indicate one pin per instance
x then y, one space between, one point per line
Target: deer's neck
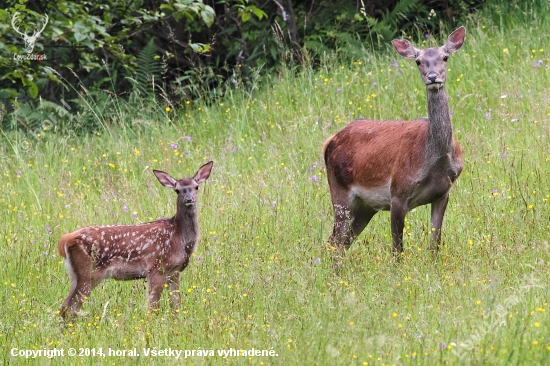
440 135
187 224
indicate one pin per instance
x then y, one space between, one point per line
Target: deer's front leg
438 211
174 288
398 211
156 283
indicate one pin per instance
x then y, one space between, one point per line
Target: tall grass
262 276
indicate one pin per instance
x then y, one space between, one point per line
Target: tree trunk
292 28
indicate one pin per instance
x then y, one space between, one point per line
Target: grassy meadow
263 276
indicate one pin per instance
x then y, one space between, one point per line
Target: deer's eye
197 188
445 58
177 191
417 62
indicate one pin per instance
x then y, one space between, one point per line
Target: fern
32 117
27 117
396 19
148 71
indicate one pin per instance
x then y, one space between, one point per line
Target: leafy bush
90 44
187 49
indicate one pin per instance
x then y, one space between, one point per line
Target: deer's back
126 243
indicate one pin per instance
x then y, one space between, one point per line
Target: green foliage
356 29
96 44
86 42
148 69
245 11
401 19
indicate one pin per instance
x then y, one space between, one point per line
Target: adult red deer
397 165
157 250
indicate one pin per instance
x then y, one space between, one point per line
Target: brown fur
368 152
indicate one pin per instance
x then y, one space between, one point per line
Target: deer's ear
204 172
165 179
455 40
405 48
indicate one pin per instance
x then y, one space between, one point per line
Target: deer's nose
432 77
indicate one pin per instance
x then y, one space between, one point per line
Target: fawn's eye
445 58
417 62
197 188
177 191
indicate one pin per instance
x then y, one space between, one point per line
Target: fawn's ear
455 40
165 179
405 48
204 172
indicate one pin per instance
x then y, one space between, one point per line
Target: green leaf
273 52
89 44
245 17
79 36
258 12
33 89
207 15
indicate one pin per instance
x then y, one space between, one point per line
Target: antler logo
29 40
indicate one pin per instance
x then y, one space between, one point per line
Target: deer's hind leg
351 216
79 267
156 281
361 214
